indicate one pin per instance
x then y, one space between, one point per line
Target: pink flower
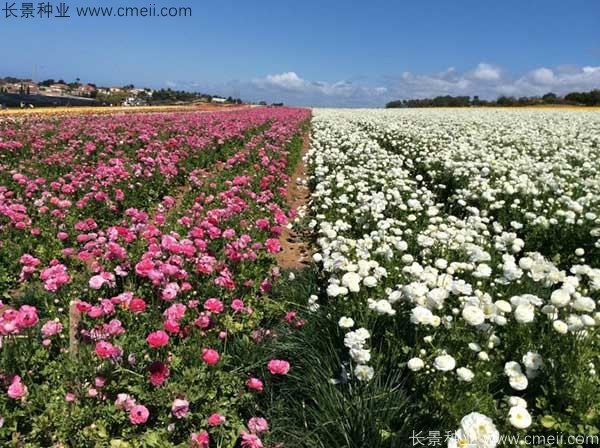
200 440
180 407
250 440
17 389
139 414
137 305
157 339
96 282
125 402
175 312
105 349
257 425
272 245
278 367
70 397
237 305
255 384
213 305
27 317
210 356
216 419
172 326
51 328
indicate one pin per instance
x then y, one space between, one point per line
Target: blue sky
342 53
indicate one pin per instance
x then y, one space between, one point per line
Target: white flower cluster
473 227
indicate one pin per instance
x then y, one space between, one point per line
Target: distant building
85 90
216 99
57 89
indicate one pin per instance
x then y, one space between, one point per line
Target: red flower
210 356
159 372
157 339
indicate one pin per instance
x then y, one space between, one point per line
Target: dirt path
295 252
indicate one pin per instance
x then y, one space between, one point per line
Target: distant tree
47 82
549 98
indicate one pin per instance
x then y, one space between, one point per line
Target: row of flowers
136 263
465 247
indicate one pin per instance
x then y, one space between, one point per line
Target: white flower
381 306
525 313
444 363
473 315
346 322
560 327
465 374
477 431
421 315
519 417
503 306
533 361
518 382
364 373
370 281
415 364
512 368
560 297
351 280
360 356
517 401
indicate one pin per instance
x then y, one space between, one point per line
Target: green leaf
548 421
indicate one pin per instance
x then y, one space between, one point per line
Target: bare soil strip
295 252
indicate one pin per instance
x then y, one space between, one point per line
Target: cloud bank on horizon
486 80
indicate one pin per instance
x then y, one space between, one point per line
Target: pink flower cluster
156 281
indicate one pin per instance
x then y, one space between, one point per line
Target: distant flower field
452 298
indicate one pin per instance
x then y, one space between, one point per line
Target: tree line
591 98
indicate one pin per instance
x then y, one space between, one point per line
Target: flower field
464 248
452 298
136 257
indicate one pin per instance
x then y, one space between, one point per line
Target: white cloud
485 80
543 76
486 72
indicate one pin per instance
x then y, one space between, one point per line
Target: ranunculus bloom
27 316
105 349
278 367
137 305
159 372
250 440
157 339
210 356
257 425
96 282
200 440
255 384
16 389
51 328
216 419
172 326
213 305
139 414
180 407
125 402
237 305
272 245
